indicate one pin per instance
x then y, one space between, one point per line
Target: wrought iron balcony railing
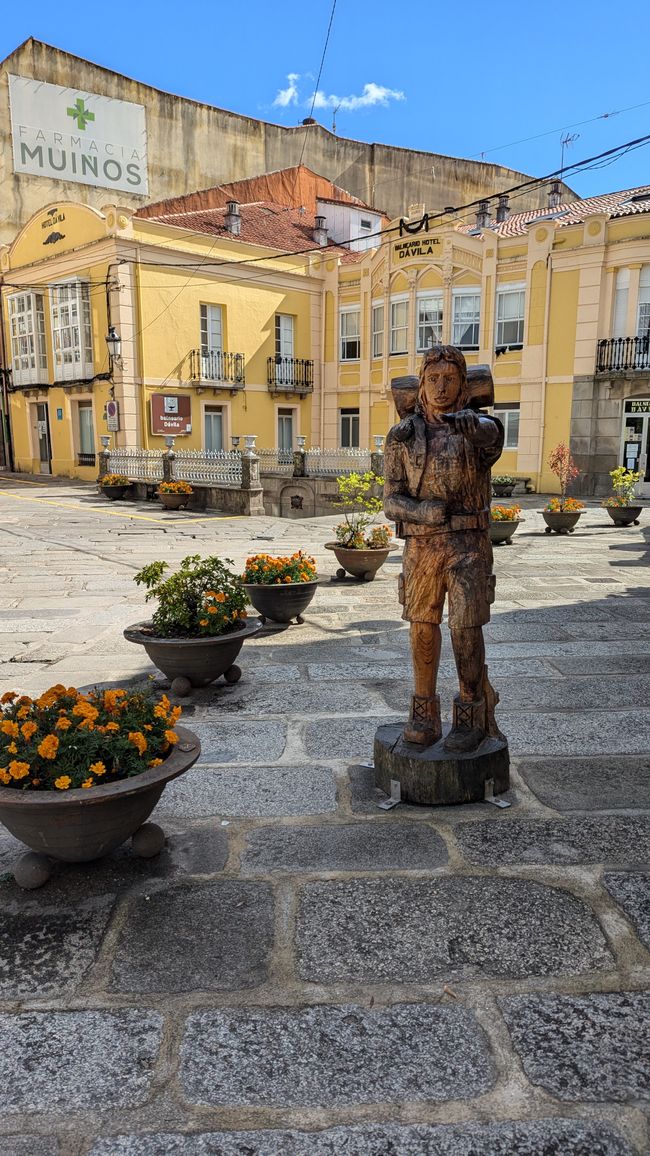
619 354
218 368
294 374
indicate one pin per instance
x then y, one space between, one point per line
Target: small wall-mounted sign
170 414
112 416
59 414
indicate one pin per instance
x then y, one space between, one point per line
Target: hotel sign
69 135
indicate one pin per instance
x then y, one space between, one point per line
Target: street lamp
114 344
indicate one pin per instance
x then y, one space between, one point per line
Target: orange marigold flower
160 711
12 749
63 782
203 622
97 769
87 783
220 597
48 747
86 711
24 700
155 762
175 714
18 770
62 724
4 776
28 729
138 740
86 724
23 712
112 726
212 610
171 737
9 696
9 728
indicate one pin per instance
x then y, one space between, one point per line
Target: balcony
218 368
623 354
290 374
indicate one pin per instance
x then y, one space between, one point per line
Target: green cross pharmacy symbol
80 113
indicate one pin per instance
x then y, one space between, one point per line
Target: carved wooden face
441 387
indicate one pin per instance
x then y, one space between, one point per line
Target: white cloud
288 95
372 94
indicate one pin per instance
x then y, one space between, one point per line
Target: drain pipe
547 313
7 439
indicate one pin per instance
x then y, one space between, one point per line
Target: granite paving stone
65 1061
308 698
584 1047
342 738
229 741
333 1056
254 792
46 947
371 846
577 733
549 1137
615 839
609 782
371 930
208 937
29 1146
631 890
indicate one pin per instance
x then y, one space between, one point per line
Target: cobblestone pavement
300 972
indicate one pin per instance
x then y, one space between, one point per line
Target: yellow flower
48 747
4 777
9 728
87 783
171 737
138 740
63 782
97 769
62 724
155 762
18 770
28 729
12 749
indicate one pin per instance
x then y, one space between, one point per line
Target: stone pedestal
434 777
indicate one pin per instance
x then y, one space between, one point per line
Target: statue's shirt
455 471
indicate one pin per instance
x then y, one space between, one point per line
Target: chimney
554 196
483 214
320 231
233 218
503 208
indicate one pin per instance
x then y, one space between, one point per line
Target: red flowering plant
65 739
203 597
561 463
265 570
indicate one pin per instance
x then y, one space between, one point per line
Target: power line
562 128
320 71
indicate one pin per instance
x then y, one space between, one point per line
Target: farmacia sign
70 135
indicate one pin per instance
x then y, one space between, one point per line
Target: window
365 223
283 335
377 330
643 314
213 427
621 291
350 335
399 326
508 414
71 331
510 316
86 433
285 430
466 318
349 428
211 343
27 333
429 321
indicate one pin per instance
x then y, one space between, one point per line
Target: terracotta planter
189 662
624 515
173 501
281 602
79 825
501 532
561 523
359 563
115 493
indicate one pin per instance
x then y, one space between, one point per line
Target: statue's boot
468 727
424 726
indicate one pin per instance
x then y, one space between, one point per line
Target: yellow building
218 310
556 301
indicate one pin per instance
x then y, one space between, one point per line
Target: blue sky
468 82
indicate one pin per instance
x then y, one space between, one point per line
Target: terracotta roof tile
620 204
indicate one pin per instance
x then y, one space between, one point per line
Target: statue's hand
477 428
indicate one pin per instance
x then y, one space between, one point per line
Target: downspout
6 413
547 312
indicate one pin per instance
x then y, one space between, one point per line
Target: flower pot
79 825
560 522
280 602
624 515
115 493
504 491
359 563
501 532
189 662
173 501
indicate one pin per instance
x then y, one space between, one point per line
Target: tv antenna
565 141
334 116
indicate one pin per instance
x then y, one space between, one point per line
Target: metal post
168 459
